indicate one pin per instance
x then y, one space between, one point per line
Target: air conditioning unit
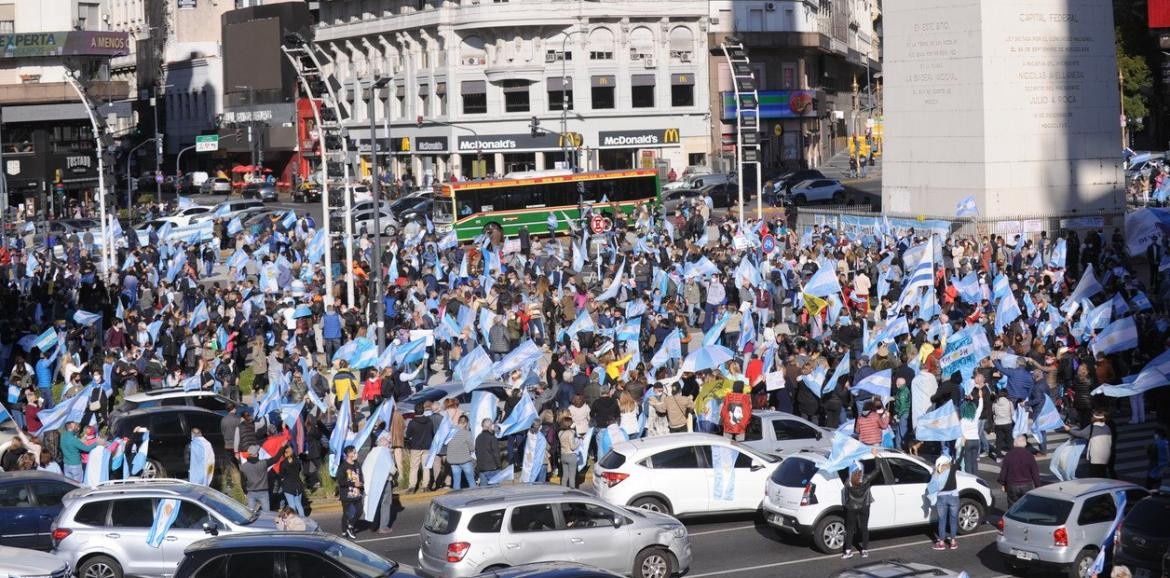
550 56
770 6
472 61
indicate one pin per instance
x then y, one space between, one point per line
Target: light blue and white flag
140 455
86 318
711 337
671 348
583 449
614 286
199 315
1048 419
1059 254
164 517
235 227
1006 312
608 436
844 452
483 406
1086 288
840 371
46 341
877 383
1121 335
534 459
67 410
823 283
815 381
1065 459
474 369
442 437
338 438
202 464
520 419
1098 566
966 207
939 425
523 357
723 466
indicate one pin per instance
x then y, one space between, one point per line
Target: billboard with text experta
70 43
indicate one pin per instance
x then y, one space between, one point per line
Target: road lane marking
825 557
387 538
722 530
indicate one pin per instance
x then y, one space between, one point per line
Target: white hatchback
801 500
683 474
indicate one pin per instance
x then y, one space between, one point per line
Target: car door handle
171 538
512 546
113 536
576 540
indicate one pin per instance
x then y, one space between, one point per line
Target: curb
334 505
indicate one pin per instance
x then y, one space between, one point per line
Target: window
133 513
191 516
92 514
754 431
682 44
210 402
474 95
250 564
682 90
1098 510
743 460
214 569
583 515
7 26
792 430
516 96
560 93
15 496
486 522
794 473
642 91
1041 511
641 43
50 493
601 44
557 55
536 518
906 472
441 520
166 424
602 92
676 458
302 565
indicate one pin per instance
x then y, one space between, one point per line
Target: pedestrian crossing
1131 462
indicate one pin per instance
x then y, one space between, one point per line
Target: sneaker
865 553
847 555
939 545
349 534
954 544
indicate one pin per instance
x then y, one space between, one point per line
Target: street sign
750 155
599 224
206 143
768 244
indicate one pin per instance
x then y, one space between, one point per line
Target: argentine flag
966 207
939 425
1121 335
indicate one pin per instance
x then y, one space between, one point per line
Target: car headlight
673 532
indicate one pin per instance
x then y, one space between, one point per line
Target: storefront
788 125
643 149
422 158
500 154
49 165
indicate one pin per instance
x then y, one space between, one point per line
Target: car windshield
361 561
228 508
1150 515
754 454
1040 510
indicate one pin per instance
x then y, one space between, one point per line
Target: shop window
560 93
642 91
682 95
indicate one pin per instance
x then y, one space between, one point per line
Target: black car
29 502
263 191
722 195
287 554
170 434
1144 535
307 193
549 570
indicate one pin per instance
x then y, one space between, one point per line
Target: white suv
677 475
801 500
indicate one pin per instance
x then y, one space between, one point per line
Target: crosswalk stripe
1130 450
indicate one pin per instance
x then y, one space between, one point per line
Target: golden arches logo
670 135
405 143
573 139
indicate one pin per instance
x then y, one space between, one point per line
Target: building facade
808 56
629 76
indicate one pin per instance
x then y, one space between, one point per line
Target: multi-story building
624 82
193 74
811 59
47 141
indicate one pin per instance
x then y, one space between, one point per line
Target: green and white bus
507 205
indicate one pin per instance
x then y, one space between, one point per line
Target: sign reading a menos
71 43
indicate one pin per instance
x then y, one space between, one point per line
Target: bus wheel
494 232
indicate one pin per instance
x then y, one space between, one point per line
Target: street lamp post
566 146
97 133
179 157
376 189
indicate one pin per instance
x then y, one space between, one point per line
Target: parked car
102 531
234 207
264 191
676 474
358 193
722 194
307 193
363 222
677 198
773 432
175 396
471 531
170 433
1060 527
897 568
187 216
288 554
784 183
549 570
406 204
29 502
801 500
1144 537
418 212
438 393
18 562
817 190
216 186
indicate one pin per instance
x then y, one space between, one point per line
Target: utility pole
567 148
158 144
379 293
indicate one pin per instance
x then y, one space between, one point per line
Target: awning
558 83
400 91
516 86
642 80
602 80
474 87
424 89
684 79
441 88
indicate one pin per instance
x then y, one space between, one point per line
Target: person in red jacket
736 412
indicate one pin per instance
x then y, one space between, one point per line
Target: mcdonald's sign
405 144
640 138
670 136
575 139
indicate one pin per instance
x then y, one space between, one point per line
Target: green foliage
246 378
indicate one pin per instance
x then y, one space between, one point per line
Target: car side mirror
820 435
757 467
618 521
211 528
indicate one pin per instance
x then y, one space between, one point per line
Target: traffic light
535 127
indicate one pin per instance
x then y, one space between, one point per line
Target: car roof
500 495
819 455
653 443
167 393
140 488
895 568
145 411
28 475
314 541
1077 488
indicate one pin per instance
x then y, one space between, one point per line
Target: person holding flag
857 498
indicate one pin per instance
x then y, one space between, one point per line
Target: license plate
1023 555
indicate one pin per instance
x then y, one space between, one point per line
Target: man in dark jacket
605 410
419 434
949 390
228 426
351 488
487 452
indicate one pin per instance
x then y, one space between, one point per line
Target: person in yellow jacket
614 368
344 382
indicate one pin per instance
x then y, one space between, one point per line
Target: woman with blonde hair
628 420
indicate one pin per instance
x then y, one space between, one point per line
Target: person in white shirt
969 411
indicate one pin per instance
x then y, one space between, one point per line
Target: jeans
47 395
984 446
857 522
569 470
459 472
350 510
74 473
971 457
258 497
900 430
294 502
484 476
331 347
948 516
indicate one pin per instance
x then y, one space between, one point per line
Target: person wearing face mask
870 425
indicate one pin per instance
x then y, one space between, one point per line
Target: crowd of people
565 345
